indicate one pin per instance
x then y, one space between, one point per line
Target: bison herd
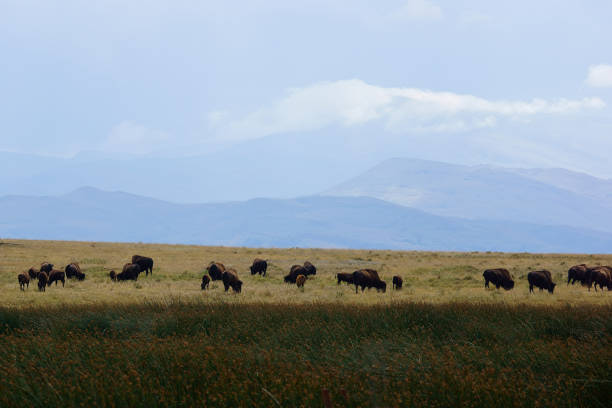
542 279
46 275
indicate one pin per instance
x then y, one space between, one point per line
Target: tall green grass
404 354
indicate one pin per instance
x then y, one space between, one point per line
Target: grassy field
442 341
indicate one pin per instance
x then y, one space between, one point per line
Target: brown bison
215 270
577 273
300 280
230 280
56 276
24 280
33 272
73 270
295 271
541 279
599 275
129 272
145 263
46 267
397 282
259 267
498 277
310 268
42 281
345 277
368 278
205 282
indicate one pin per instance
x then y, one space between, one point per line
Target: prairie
442 341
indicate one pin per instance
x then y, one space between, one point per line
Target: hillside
317 221
539 196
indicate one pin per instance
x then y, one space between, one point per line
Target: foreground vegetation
188 354
441 341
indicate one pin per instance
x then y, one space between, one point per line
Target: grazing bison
56 276
295 271
310 268
397 282
368 278
541 279
498 277
24 280
46 267
74 271
145 263
259 267
230 280
42 281
129 272
205 282
599 275
577 273
33 272
215 270
345 277
300 280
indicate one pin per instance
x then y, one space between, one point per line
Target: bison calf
24 280
299 281
542 280
397 282
205 282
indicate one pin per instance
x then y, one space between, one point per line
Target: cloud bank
355 102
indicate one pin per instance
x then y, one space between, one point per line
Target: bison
300 280
56 276
215 270
46 267
397 282
205 282
33 272
310 268
42 281
145 263
541 279
259 267
73 270
368 278
345 277
599 275
295 271
230 280
577 273
24 280
129 272
499 277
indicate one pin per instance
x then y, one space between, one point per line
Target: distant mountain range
539 196
315 221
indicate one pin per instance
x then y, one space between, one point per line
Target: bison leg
530 288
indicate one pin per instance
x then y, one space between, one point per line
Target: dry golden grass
432 277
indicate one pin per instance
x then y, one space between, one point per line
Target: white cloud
134 138
600 75
418 10
354 102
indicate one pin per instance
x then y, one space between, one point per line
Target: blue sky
518 83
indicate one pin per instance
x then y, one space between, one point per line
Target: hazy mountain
540 196
343 222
